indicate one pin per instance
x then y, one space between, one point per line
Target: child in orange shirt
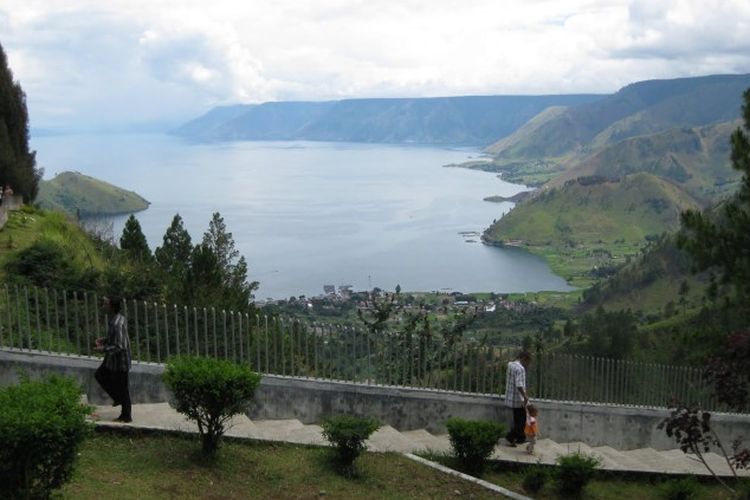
531 430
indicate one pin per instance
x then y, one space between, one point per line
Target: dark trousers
116 385
516 434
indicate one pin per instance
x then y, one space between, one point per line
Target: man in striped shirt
112 375
516 397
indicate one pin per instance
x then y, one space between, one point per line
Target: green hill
640 108
696 158
591 224
73 192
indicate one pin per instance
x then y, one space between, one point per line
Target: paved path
162 416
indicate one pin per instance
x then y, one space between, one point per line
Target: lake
307 214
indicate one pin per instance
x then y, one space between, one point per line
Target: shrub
743 489
348 434
210 392
42 425
680 489
534 479
574 472
473 441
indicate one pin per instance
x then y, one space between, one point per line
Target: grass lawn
606 486
144 466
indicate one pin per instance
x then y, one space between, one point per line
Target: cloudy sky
115 63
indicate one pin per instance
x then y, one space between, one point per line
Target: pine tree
133 242
203 284
237 291
17 164
174 255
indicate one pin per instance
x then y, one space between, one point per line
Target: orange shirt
531 426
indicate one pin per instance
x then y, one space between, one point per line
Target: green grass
29 225
605 486
159 466
71 192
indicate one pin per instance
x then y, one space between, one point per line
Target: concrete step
650 459
275 430
308 434
162 416
428 442
623 461
389 439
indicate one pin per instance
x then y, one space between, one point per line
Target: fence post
38 323
224 327
186 322
195 331
176 329
46 319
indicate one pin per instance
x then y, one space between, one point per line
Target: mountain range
617 171
467 120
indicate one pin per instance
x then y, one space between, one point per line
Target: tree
237 291
203 279
174 256
17 164
133 242
722 240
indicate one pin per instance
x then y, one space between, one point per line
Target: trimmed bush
534 479
680 489
210 392
574 471
348 435
473 441
42 426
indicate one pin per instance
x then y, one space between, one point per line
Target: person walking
516 397
113 373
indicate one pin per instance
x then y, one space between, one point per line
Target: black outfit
517 435
113 373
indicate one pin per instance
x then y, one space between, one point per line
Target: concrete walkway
162 416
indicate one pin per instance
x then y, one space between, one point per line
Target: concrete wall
312 400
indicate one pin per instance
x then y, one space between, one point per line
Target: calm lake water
305 214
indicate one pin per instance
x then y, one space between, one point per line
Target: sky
119 64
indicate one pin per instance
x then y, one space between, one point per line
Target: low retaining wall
310 401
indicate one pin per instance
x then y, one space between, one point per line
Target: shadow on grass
331 460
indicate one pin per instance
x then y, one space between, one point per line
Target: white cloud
104 63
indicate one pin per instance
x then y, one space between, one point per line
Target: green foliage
680 489
574 471
48 265
473 441
17 164
42 426
133 242
174 258
235 291
609 334
534 479
348 434
210 391
723 240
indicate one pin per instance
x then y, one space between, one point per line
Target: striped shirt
117 345
515 377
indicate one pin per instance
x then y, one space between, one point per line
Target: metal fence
60 321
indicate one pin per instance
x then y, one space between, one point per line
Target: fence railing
69 322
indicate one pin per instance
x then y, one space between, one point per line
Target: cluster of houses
343 298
